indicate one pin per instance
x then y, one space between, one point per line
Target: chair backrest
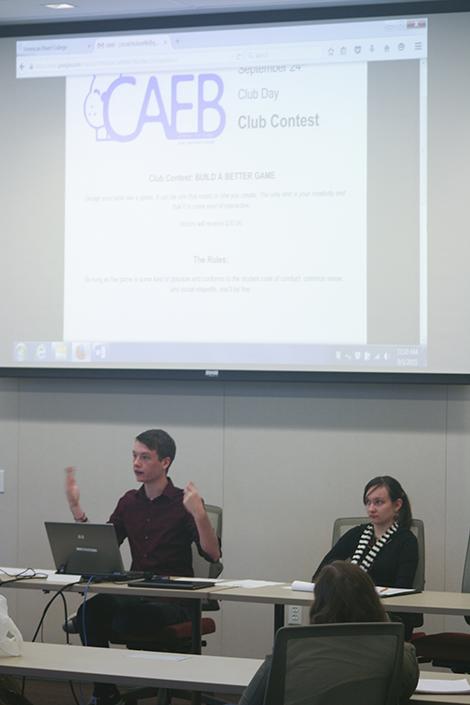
466 570
202 567
343 524
335 664
466 575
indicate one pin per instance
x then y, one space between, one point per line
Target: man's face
147 465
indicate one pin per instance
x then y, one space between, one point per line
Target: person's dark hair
345 593
158 440
395 491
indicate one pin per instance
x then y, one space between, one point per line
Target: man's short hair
160 441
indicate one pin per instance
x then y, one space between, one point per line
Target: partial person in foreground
161 522
385 548
343 593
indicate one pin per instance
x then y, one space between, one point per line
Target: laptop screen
84 549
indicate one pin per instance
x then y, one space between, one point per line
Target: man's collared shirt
160 531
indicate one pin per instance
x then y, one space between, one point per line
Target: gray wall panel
283 459
9 463
298 456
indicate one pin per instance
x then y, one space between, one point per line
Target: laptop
161 581
84 549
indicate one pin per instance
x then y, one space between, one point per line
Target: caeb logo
184 106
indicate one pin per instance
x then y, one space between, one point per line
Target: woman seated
342 593
385 548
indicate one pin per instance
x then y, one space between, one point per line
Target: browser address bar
86 64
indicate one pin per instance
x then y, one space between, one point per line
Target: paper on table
158 656
435 685
63 578
247 583
390 592
302 585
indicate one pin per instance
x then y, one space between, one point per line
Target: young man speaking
160 522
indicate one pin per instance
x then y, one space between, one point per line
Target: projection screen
276 197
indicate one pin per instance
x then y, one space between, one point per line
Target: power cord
25 574
60 594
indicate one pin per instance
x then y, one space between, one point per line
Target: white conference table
221 674
218 674
427 602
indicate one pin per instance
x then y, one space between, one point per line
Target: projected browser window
227 197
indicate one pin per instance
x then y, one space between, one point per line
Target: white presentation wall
255 198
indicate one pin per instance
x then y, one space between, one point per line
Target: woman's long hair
345 593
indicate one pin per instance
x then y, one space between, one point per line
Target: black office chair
410 619
447 649
178 637
334 664
343 524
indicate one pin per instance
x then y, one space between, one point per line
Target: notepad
438 685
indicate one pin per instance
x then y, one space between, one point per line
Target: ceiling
33 11
27 12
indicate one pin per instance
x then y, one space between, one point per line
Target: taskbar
218 355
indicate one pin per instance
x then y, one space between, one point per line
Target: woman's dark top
395 564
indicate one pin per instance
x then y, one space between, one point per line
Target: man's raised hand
192 500
72 493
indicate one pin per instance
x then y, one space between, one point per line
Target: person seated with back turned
385 548
342 593
160 521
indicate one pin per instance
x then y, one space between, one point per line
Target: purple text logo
184 106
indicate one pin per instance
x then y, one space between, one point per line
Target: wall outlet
2 481
294 614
